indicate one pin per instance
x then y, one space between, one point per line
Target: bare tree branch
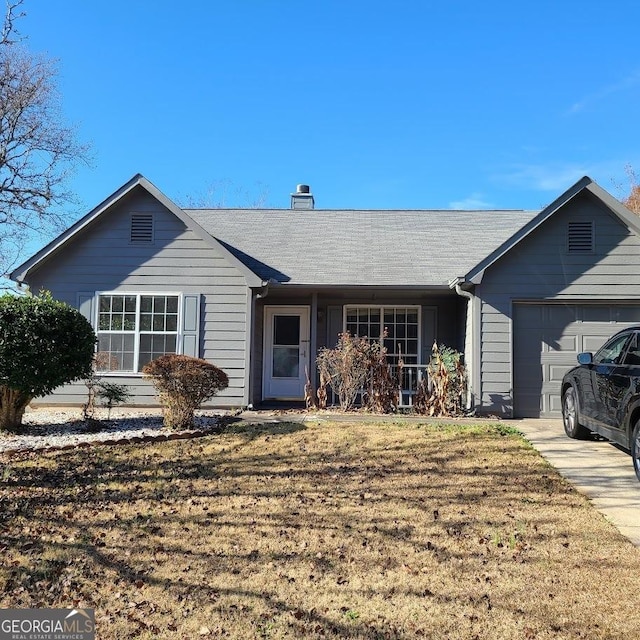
8 29
632 199
38 151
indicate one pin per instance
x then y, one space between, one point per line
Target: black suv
602 394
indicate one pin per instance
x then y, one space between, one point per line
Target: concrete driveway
597 468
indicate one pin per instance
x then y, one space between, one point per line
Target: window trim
136 348
382 307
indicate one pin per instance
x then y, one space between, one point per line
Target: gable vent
580 237
141 228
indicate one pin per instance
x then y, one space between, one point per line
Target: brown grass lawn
327 530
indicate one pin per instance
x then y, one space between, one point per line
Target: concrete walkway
596 468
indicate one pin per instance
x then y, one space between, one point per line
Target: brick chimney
302 198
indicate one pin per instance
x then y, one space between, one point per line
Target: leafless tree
38 151
224 194
632 199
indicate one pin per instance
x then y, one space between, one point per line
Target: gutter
263 292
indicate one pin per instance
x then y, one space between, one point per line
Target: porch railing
412 375
410 378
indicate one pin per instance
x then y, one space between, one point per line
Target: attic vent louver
580 237
141 228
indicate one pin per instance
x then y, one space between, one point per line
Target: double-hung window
134 329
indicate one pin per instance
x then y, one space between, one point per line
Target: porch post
313 340
249 359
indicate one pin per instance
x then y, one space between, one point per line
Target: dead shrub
383 388
443 392
345 368
183 383
355 367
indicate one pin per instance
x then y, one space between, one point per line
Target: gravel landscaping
47 428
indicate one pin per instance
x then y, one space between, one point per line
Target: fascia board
626 216
476 274
20 273
253 280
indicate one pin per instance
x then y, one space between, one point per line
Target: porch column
313 340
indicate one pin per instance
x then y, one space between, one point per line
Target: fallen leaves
380 531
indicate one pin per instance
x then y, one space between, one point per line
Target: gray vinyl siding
178 261
539 268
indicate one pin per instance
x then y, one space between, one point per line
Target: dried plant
443 391
383 388
359 367
346 368
321 393
309 398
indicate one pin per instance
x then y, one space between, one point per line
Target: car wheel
635 449
570 416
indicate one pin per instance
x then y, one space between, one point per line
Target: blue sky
404 104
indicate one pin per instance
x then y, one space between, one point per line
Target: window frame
381 308
137 332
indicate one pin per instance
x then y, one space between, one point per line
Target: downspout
470 344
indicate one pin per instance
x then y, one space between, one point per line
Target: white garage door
546 341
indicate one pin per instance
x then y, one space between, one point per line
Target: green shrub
183 383
44 344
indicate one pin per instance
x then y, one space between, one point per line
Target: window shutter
191 325
84 304
141 228
580 237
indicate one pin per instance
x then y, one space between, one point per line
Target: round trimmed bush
183 383
44 343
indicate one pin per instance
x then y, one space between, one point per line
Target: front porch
291 327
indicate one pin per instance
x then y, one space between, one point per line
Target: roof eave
476 274
20 273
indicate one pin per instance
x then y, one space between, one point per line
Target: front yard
317 530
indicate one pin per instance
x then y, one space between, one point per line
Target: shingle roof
348 247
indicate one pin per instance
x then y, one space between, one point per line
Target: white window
397 328
133 329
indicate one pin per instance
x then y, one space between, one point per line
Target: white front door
286 352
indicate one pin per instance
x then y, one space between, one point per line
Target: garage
546 340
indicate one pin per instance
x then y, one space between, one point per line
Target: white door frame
275 388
